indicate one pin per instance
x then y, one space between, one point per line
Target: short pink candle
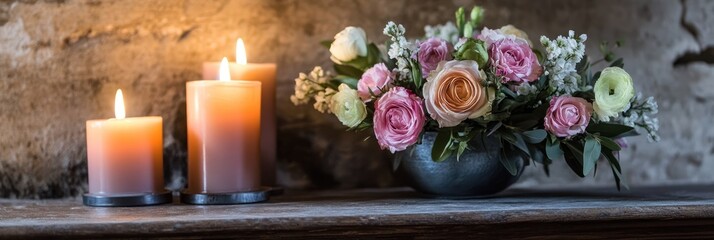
125 155
223 135
264 73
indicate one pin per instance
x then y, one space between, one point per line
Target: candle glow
224 73
119 112
241 57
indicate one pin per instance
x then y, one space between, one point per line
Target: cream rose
455 92
348 107
613 92
511 30
349 44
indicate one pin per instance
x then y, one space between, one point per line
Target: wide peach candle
264 73
125 155
223 134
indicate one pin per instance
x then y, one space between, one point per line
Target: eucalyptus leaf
591 152
535 136
508 162
546 169
516 140
552 149
537 154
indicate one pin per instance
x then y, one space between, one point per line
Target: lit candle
125 155
264 73
223 134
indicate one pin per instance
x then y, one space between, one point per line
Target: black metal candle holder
129 200
260 195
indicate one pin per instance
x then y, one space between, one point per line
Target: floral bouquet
544 103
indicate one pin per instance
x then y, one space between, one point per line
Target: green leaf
611 130
552 149
591 152
609 143
508 92
348 71
416 73
350 81
616 169
373 55
462 147
494 128
574 158
618 63
508 161
596 76
583 65
539 55
534 136
327 43
442 145
364 62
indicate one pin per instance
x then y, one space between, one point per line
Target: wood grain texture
647 212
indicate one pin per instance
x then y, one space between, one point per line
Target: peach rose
455 92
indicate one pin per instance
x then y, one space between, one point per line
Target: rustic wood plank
646 212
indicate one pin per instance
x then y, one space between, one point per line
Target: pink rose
514 60
398 119
431 53
567 116
376 79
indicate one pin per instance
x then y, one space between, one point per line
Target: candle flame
241 57
119 105
224 73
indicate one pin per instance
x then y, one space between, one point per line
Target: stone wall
62 60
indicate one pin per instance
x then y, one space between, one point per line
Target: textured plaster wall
62 60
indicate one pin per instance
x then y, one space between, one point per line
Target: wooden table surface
643 212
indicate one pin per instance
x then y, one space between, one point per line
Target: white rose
349 44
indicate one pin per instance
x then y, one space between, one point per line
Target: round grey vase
478 172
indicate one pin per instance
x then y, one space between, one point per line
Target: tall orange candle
264 73
223 134
125 155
